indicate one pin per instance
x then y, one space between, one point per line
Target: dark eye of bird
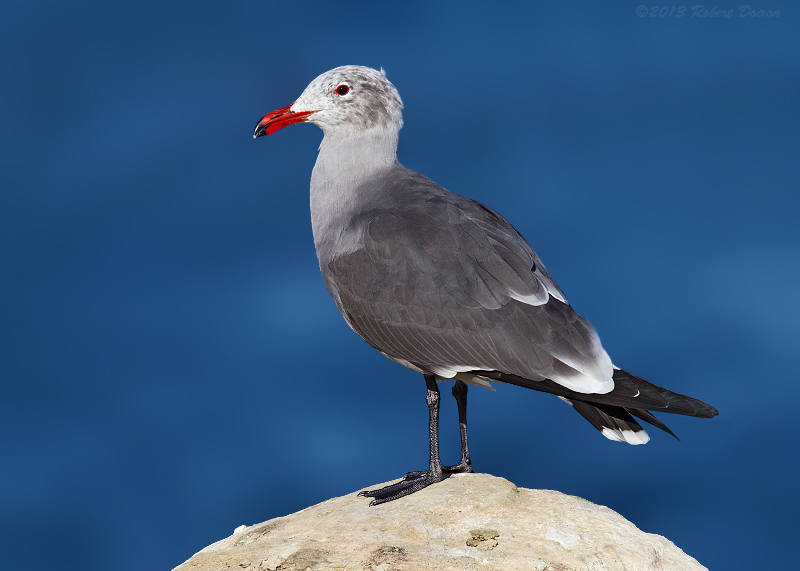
343 90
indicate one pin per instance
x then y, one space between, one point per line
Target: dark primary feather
632 395
647 417
630 392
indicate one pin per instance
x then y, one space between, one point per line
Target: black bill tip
260 130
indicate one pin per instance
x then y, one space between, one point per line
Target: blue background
173 367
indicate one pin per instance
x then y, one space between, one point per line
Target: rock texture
467 522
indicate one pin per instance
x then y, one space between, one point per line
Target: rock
467 522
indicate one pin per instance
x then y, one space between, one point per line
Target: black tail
613 422
611 413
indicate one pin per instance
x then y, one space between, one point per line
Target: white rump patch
628 436
568 373
581 383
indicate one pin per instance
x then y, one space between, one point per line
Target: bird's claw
412 482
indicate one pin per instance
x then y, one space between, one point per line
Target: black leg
417 481
465 465
460 392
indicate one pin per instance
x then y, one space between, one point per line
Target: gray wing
445 285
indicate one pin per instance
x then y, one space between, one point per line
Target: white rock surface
468 522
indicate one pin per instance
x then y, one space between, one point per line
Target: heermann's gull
444 285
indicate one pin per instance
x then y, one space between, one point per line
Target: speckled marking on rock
484 538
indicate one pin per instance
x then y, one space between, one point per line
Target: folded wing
446 285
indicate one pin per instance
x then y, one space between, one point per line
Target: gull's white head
344 101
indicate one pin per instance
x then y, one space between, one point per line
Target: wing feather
447 285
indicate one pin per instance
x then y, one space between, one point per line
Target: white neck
343 164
